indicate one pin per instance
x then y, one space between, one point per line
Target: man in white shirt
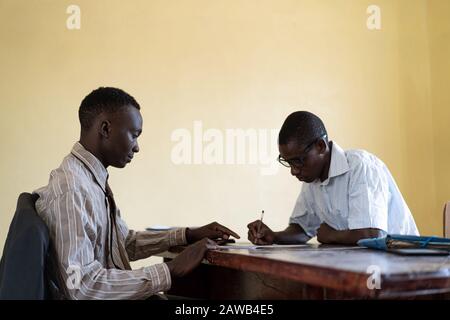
346 195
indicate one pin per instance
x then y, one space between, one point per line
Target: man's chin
119 165
305 179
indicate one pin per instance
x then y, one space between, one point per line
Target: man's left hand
213 231
326 234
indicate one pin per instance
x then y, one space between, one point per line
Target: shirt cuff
160 277
310 232
177 237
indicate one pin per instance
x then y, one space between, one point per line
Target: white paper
258 247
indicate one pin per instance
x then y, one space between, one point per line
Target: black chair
26 260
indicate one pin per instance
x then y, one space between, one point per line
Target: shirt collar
92 163
338 164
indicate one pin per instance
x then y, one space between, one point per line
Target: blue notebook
408 245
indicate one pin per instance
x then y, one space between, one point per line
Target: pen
262 217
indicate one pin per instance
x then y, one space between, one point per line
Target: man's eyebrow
295 158
136 132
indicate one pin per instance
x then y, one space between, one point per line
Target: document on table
257 247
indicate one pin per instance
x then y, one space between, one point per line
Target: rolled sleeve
160 277
303 214
368 198
81 274
143 244
177 237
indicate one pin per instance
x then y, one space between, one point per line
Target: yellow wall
230 64
439 35
419 181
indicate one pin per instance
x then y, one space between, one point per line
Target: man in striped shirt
93 245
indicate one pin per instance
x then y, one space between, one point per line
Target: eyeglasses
299 162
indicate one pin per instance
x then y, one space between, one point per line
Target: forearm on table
143 244
293 234
351 237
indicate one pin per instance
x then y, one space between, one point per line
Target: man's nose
136 148
295 171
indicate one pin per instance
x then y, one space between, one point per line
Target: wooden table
314 272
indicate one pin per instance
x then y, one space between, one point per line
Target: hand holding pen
259 233
261 222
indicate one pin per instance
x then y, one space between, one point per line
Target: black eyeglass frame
299 162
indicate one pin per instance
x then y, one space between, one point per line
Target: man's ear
105 129
322 144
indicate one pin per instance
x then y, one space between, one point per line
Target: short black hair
103 99
303 126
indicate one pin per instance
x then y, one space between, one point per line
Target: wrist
170 267
276 237
173 269
188 235
338 236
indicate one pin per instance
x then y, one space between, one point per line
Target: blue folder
408 244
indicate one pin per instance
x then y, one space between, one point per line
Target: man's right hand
190 258
260 234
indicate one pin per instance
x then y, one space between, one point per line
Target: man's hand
190 258
326 234
213 231
259 233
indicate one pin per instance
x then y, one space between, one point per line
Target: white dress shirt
359 193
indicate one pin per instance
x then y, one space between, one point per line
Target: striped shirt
76 210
